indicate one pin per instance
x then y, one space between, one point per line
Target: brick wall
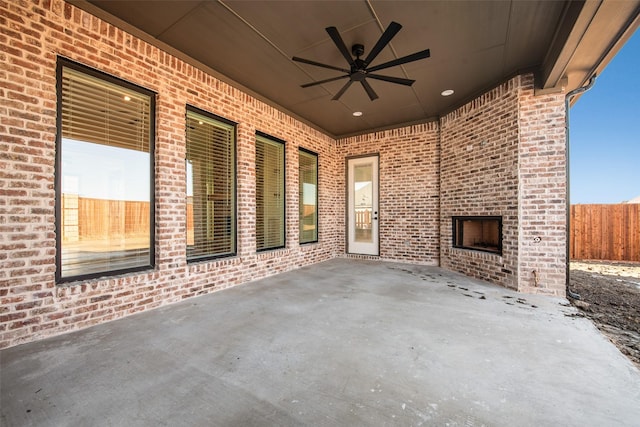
479 177
33 306
542 174
501 154
408 189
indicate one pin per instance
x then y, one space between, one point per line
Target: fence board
605 232
98 219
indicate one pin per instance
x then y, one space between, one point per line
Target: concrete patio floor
341 343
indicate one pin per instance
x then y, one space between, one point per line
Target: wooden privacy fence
605 232
99 219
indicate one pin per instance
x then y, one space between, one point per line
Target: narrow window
104 178
211 188
308 195
270 210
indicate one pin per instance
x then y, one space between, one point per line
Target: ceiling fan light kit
359 69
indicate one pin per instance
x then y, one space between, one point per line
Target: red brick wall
33 306
408 190
542 174
479 178
501 154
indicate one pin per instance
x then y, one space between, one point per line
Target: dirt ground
610 296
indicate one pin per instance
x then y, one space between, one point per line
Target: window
211 187
269 193
104 164
308 195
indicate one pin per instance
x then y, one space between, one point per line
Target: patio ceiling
474 46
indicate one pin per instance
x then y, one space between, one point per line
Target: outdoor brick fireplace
480 233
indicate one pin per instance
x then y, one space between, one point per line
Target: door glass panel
363 202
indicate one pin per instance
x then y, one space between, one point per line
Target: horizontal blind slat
97 111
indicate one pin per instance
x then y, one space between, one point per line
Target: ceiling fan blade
384 40
324 81
409 58
367 87
337 39
397 80
342 91
318 64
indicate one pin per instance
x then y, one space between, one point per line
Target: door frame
376 196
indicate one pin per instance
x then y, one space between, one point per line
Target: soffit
474 46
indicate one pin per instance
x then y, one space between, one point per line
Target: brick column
246 182
542 177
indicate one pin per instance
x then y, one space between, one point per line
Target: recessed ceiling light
200 122
127 98
357 113
447 92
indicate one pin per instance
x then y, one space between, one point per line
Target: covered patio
342 342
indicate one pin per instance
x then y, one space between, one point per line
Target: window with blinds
211 192
104 203
270 211
308 195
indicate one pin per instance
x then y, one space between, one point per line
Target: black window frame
61 64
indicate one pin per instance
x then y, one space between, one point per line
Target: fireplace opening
480 233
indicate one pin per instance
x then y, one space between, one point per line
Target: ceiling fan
360 69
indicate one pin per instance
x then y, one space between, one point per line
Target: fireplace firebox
479 233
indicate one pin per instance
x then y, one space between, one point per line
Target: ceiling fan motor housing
357 50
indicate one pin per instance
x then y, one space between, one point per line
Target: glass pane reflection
363 202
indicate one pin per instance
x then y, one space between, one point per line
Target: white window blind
211 213
270 207
308 196
101 112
